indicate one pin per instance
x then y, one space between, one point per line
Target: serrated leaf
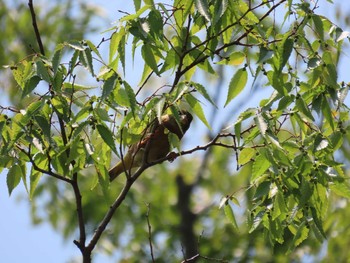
137 14
42 72
137 4
285 52
318 26
261 123
75 45
279 207
121 51
230 216
93 48
107 136
13 177
237 84
326 110
56 58
264 55
302 107
246 155
256 221
197 109
340 188
344 34
260 166
336 140
149 58
131 96
41 162
219 9
203 8
30 85
108 86
202 90
86 60
301 234
235 59
318 222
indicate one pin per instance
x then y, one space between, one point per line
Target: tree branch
149 232
35 26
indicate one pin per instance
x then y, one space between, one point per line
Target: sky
20 241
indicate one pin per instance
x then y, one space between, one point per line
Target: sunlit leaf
237 84
14 176
107 136
203 8
260 166
230 216
246 155
197 109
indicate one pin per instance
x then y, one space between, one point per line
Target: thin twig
37 168
35 26
78 198
149 231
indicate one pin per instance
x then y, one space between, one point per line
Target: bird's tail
116 171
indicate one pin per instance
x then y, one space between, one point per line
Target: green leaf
41 162
137 14
197 109
86 59
219 10
202 90
121 49
261 123
341 189
256 221
76 45
114 44
238 124
42 72
279 207
235 59
22 72
107 136
137 4
285 51
264 55
30 85
318 222
149 58
60 106
108 86
246 155
93 48
318 26
260 165
302 107
203 8
237 84
327 112
300 232
13 177
131 96
230 215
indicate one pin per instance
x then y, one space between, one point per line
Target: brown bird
157 138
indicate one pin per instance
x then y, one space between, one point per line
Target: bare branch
35 26
149 231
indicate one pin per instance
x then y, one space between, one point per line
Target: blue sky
22 242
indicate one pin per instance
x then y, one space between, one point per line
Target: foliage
285 149
57 23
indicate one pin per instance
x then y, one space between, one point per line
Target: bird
156 140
